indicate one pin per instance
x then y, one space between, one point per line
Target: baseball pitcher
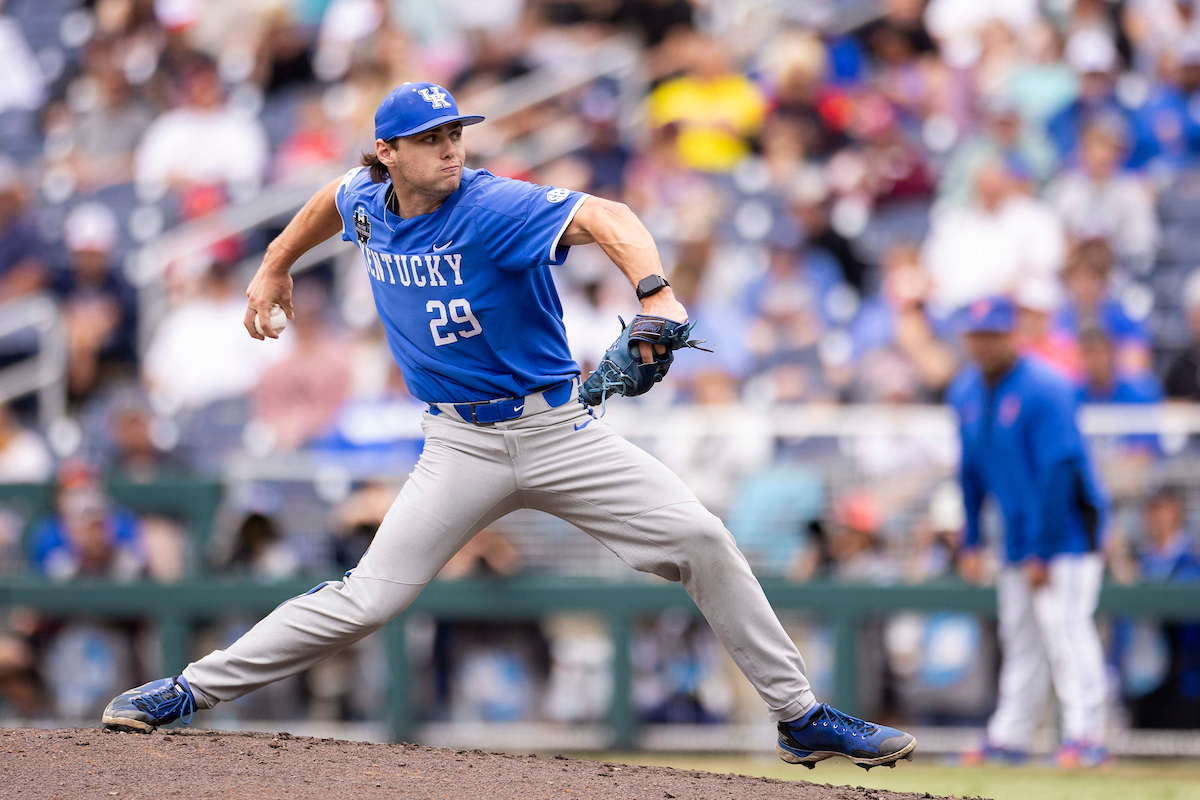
459 262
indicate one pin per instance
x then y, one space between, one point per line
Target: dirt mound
93 763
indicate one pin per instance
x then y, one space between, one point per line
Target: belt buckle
474 419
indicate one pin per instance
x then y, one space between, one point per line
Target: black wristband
649 285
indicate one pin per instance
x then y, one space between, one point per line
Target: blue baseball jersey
465 291
1021 445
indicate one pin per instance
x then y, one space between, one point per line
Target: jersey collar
395 221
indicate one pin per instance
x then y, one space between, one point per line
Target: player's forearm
314 223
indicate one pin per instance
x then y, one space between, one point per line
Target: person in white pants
1021 445
459 262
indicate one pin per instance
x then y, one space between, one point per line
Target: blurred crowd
828 194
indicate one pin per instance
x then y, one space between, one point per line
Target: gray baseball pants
557 460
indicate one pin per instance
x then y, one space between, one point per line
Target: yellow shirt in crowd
714 118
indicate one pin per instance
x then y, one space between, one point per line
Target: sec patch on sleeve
557 195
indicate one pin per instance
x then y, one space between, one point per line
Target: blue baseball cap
990 315
414 108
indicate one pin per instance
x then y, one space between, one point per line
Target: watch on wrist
649 285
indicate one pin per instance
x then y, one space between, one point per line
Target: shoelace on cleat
841 721
173 699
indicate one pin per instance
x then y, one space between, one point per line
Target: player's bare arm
272 284
626 241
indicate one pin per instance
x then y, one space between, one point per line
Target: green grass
1122 780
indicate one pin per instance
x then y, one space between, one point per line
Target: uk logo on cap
434 96
413 108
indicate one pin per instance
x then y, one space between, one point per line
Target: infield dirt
86 763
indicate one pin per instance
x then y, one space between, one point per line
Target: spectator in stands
606 157
1042 86
22 83
1102 382
260 551
22 260
19 687
1089 302
136 442
716 109
1005 236
488 553
1093 56
857 546
298 397
1164 117
1037 300
1182 380
86 537
99 307
356 519
24 457
1168 697
1169 553
1003 137
284 57
313 145
896 322
1096 201
1160 27
811 206
938 536
787 322
202 142
1125 458
201 353
666 193
107 122
796 63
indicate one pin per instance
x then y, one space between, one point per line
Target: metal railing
846 606
43 372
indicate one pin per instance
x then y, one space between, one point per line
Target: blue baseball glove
621 370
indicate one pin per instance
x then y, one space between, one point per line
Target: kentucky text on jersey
385 267
465 292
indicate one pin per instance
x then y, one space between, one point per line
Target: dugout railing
177 608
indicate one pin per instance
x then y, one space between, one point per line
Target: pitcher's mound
94 763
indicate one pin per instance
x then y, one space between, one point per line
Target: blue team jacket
1021 445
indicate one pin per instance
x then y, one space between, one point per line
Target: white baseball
278 320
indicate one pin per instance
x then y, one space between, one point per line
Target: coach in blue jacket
1021 445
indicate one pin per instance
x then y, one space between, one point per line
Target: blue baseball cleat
995 754
143 709
825 732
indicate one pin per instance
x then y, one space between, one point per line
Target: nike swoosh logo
519 408
437 249
584 425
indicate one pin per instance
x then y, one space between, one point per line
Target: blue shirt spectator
1093 56
86 537
1163 691
22 257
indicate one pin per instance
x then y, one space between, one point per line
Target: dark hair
379 172
1093 254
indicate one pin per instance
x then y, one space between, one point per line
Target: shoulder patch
557 195
362 224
